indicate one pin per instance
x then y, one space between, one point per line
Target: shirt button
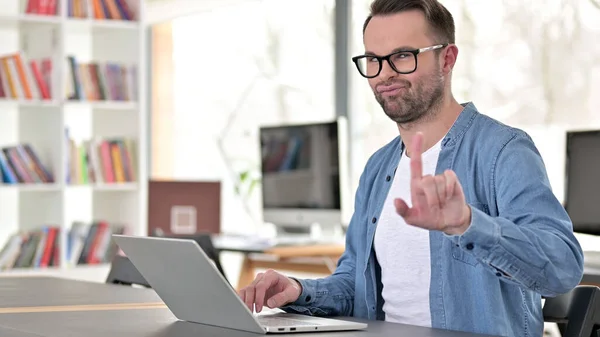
307 299
469 246
498 274
374 220
388 178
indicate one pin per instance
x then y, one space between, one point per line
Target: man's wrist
297 284
464 224
467 219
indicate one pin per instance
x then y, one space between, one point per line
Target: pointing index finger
416 164
261 289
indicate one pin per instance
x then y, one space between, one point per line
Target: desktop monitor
582 188
304 176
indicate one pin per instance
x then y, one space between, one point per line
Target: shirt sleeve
334 295
531 241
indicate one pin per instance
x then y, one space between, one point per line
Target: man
455 225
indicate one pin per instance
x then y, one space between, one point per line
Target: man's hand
271 289
438 202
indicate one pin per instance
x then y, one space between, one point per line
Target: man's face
405 98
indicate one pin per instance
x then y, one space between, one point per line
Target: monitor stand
314 232
283 230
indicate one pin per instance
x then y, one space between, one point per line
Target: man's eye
401 56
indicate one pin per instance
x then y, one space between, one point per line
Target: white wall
165 10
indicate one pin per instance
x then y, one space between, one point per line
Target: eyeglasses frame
415 52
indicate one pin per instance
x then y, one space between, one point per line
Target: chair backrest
122 271
204 240
577 312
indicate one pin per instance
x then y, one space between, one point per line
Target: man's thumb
401 207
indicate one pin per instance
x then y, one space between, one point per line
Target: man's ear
450 54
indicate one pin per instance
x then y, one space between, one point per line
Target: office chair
577 313
204 240
122 271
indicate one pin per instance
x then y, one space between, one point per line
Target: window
239 67
530 64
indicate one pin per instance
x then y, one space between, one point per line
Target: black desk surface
53 291
10 332
591 275
161 323
140 322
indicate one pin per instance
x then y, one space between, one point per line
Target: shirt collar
458 129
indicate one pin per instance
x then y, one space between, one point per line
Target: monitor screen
300 167
582 190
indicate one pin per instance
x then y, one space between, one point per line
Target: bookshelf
73 131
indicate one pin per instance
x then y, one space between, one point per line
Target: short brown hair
439 18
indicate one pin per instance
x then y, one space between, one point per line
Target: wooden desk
313 259
81 307
140 322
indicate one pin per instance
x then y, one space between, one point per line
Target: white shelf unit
42 123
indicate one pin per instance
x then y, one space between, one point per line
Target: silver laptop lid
188 282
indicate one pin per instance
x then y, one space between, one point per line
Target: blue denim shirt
519 246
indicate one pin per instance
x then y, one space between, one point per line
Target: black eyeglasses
403 61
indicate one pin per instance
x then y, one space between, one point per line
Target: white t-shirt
403 251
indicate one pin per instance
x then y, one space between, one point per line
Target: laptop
194 290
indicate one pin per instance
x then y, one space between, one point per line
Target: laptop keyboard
281 321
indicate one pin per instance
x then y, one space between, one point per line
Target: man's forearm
536 255
329 296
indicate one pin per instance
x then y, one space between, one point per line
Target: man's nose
386 70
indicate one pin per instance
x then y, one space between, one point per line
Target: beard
420 99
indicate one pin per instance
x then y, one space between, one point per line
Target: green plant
247 181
